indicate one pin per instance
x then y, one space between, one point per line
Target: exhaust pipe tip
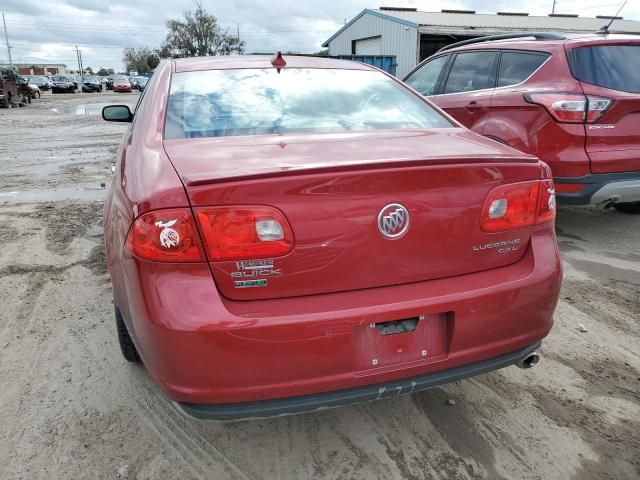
529 361
608 203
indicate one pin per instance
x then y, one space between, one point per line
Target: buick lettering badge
393 221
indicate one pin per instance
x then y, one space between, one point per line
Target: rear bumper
600 189
203 349
322 401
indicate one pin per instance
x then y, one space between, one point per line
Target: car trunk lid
332 188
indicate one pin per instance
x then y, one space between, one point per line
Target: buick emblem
393 221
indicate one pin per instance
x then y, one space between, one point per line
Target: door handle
473 106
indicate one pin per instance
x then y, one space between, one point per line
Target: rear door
610 70
467 88
514 120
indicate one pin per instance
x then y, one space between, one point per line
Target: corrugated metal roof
437 21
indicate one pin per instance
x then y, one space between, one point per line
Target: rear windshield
609 66
262 101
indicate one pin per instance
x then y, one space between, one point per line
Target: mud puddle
90 193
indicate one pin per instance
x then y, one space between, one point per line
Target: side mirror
117 113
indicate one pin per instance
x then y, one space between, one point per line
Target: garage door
369 46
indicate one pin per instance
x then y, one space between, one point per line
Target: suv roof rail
506 36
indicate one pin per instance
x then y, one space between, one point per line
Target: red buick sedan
291 234
121 84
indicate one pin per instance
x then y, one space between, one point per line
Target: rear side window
425 78
471 71
218 103
516 67
609 66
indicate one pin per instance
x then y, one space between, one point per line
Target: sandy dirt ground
72 408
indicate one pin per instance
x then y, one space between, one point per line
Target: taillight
570 107
165 236
519 205
246 232
596 108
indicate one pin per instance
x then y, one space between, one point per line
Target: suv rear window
218 103
609 66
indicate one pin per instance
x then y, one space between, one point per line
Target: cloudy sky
48 30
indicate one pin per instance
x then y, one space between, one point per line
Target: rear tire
631 207
127 347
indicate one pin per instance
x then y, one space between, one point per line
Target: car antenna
605 30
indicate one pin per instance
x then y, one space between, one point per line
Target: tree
104 72
322 53
198 34
88 71
141 60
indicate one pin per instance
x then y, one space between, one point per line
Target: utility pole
6 37
553 9
80 70
238 37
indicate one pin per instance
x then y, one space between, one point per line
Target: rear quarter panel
529 128
144 180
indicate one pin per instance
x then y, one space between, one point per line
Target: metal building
399 38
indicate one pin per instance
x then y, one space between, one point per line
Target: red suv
571 100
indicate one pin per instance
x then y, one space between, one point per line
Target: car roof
262 61
528 43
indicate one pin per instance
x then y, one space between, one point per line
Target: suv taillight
244 232
571 107
165 236
518 205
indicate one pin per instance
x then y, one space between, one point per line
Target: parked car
303 233
27 90
571 100
121 84
91 83
62 84
140 83
41 82
9 88
76 80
